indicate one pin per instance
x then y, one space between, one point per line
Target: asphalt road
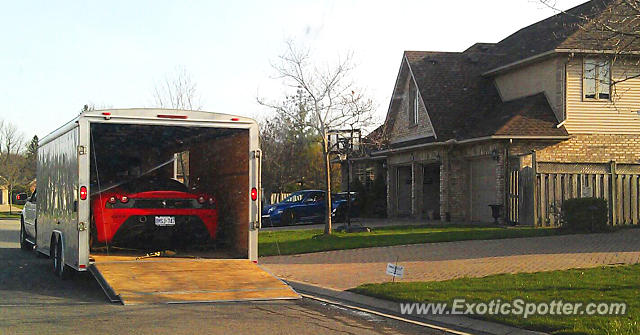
34 301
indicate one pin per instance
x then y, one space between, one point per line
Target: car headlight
279 211
271 209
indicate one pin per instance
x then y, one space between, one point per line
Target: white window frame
414 117
597 82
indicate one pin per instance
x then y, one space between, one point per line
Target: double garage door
483 188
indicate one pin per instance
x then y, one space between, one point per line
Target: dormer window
413 104
596 79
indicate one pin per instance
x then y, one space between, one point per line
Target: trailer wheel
288 217
24 244
59 268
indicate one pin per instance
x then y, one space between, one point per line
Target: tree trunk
327 175
10 199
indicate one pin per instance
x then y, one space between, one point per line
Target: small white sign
395 270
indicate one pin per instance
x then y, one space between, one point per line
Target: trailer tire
59 268
24 244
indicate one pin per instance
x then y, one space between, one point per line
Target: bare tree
329 98
12 163
177 91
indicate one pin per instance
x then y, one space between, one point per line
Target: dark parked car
20 199
307 206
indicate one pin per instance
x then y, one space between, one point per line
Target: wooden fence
618 184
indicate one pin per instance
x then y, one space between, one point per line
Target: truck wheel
288 218
24 244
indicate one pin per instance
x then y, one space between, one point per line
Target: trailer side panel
58 194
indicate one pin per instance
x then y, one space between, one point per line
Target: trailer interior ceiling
213 161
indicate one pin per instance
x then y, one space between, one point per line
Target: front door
431 191
404 182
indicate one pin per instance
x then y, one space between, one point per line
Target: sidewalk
344 269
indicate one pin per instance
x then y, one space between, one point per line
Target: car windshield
153 184
294 197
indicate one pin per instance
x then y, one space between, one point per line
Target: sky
56 56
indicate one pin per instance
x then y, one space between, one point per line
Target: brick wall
596 148
592 148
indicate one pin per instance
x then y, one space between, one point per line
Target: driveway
34 301
343 269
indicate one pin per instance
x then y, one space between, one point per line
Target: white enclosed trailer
99 149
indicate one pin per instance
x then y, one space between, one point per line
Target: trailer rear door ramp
185 280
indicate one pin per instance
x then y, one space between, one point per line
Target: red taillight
83 193
124 199
235 119
106 113
254 194
112 200
169 116
201 200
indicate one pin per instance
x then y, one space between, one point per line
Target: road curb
449 324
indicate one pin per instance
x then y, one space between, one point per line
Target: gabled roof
579 28
462 104
462 101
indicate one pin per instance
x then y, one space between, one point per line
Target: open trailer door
182 280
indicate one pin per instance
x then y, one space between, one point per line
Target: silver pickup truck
28 221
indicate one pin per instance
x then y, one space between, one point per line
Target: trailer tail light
254 194
169 116
124 199
112 200
83 193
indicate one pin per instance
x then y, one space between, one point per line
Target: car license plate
164 221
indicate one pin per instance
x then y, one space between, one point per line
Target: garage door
483 189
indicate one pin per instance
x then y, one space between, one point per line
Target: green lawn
610 284
15 212
312 240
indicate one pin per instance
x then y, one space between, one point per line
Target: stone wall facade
455 161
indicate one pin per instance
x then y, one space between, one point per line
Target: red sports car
152 208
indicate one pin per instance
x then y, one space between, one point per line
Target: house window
596 79
413 104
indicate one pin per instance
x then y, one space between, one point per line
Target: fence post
614 193
534 188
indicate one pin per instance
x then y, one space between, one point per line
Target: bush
585 214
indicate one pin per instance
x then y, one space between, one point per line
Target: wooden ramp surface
184 280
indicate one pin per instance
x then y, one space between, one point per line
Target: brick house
499 122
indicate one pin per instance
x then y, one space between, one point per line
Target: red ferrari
151 208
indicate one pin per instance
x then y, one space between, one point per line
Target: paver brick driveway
343 269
